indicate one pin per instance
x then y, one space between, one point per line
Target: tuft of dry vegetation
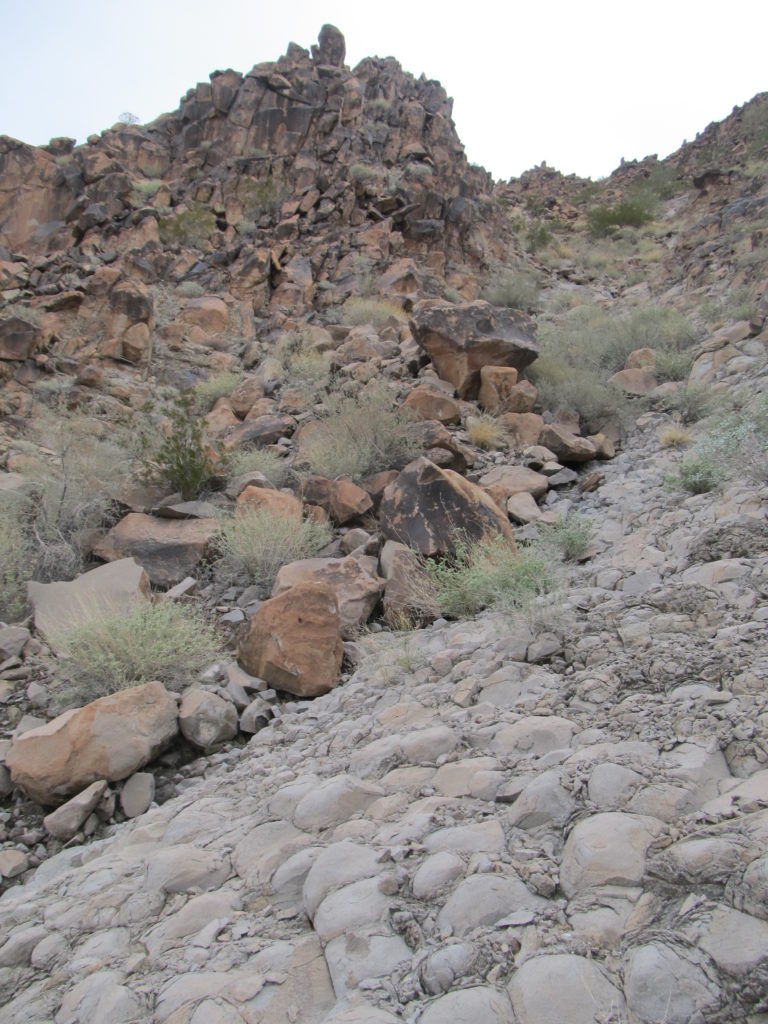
486 432
377 312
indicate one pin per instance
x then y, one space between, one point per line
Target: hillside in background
383 569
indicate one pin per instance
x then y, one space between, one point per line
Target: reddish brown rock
523 428
294 641
342 499
168 549
641 357
639 381
260 432
427 404
432 509
353 580
566 446
278 502
18 339
108 739
208 313
247 392
502 482
461 339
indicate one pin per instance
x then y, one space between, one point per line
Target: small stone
137 794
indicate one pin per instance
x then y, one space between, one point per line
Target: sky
576 83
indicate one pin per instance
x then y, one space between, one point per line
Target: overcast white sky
578 83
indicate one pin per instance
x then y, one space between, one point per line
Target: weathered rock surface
294 641
108 739
167 549
353 580
431 509
461 339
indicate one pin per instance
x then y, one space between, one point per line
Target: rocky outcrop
108 739
432 510
462 339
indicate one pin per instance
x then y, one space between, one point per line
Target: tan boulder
136 342
461 339
432 509
638 381
60 606
260 432
64 822
604 446
168 549
428 404
523 428
342 499
208 313
641 358
294 641
502 482
281 503
522 508
248 391
567 447
206 720
108 739
500 390
221 417
353 580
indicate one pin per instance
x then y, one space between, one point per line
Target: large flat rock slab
168 549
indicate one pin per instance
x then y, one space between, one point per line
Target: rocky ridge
558 815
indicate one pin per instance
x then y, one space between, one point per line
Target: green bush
260 197
154 640
183 458
208 392
538 237
17 558
513 289
358 310
673 365
253 546
259 460
303 366
188 227
362 173
699 473
571 536
490 574
689 403
190 290
603 220
360 435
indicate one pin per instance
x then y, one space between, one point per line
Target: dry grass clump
253 546
259 460
360 435
301 365
154 640
208 392
486 432
515 289
674 436
377 312
17 557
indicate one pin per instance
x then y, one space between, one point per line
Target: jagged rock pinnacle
331 47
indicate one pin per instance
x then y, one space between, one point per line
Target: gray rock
479 1005
64 822
483 900
563 987
137 794
206 720
662 984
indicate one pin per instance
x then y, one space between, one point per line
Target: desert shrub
689 403
698 473
246 227
253 546
259 460
486 432
160 640
673 365
380 106
537 237
603 220
72 469
418 172
303 366
674 436
17 557
362 173
193 226
190 290
360 435
513 289
571 536
182 458
208 392
260 197
490 574
358 310
143 191
563 386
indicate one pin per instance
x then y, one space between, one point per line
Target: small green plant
672 365
689 402
537 237
378 106
699 473
183 459
362 174
259 460
260 197
377 312
571 536
208 392
154 640
143 191
513 289
360 435
603 220
303 366
253 546
17 558
192 226
190 290
491 574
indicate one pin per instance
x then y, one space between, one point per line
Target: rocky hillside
383 569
